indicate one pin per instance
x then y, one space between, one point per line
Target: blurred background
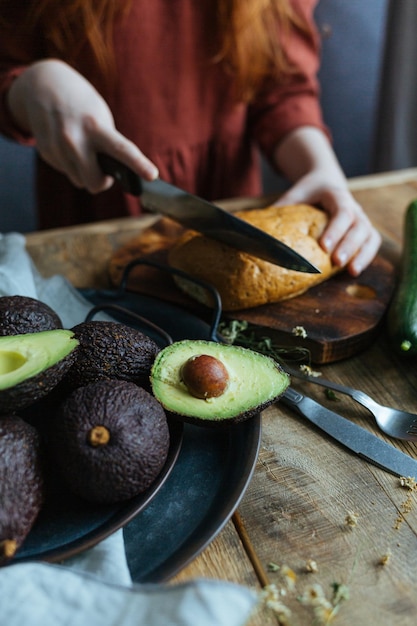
364 76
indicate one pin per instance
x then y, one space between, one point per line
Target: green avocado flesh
255 382
25 356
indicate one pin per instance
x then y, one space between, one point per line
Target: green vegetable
402 312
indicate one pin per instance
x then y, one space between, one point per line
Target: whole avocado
111 350
21 483
110 440
22 314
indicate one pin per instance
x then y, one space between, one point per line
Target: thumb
294 195
300 192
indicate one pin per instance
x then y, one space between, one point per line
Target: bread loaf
244 281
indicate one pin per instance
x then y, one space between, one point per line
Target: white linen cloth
94 588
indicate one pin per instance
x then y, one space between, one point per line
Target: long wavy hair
245 31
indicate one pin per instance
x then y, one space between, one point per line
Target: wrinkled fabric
38 594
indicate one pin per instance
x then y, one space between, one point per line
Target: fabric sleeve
295 102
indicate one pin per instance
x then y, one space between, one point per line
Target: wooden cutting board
341 317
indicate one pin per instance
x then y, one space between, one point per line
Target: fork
393 422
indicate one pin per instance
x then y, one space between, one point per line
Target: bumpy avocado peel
21 314
21 484
255 382
110 349
34 364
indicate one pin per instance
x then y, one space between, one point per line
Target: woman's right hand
71 123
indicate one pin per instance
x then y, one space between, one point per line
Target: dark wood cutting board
341 317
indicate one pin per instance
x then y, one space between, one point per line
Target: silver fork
393 422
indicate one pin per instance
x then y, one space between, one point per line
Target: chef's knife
198 214
357 439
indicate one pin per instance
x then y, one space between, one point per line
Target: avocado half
254 381
31 365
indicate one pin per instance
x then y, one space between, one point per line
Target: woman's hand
71 122
306 157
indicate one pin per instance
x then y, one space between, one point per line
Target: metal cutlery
393 422
357 439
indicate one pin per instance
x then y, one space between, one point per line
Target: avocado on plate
111 349
21 314
110 439
21 483
205 382
32 364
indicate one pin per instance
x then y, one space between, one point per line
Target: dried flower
273 567
324 609
289 576
311 566
308 371
408 482
340 592
299 331
271 598
351 519
384 558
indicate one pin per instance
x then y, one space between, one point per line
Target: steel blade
357 439
198 214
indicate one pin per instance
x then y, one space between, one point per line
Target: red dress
178 107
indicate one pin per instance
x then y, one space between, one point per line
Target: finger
336 231
119 147
365 255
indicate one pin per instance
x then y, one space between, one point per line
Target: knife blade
198 214
357 439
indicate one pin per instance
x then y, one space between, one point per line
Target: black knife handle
129 181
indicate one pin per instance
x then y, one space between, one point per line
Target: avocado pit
205 376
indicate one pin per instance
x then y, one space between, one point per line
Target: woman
188 89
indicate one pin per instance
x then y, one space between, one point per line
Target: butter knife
357 439
198 214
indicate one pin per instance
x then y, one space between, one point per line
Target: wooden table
309 500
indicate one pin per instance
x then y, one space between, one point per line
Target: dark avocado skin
21 314
21 480
133 457
33 389
111 350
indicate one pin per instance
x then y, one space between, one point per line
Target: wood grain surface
309 498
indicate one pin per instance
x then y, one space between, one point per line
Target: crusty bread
244 281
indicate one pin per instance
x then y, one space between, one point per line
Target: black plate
205 479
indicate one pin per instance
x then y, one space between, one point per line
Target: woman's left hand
306 157
350 238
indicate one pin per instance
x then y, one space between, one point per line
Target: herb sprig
242 333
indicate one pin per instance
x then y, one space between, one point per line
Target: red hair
246 31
